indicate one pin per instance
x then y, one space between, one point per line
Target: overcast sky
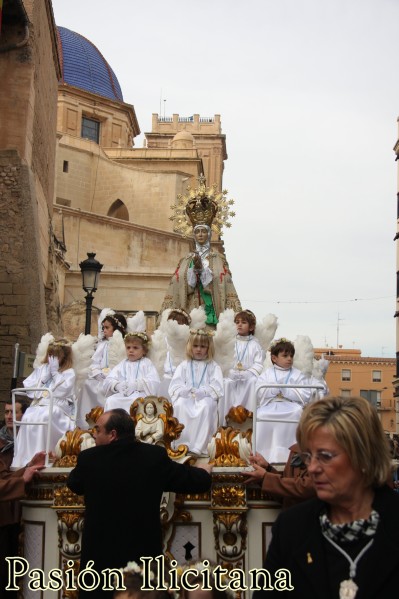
308 95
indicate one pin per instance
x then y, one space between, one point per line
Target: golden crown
201 206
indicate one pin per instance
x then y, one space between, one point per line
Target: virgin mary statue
203 277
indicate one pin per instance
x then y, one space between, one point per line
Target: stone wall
22 304
28 104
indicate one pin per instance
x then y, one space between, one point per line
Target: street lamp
91 269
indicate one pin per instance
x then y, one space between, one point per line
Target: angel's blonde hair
203 338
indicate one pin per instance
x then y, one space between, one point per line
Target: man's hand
30 472
259 460
38 460
256 476
208 467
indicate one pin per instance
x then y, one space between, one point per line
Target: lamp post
91 269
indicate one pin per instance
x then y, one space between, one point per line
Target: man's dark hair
120 421
25 403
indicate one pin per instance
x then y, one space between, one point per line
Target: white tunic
32 438
92 393
142 378
274 438
239 386
196 387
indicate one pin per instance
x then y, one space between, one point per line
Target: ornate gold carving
65 498
239 414
230 531
94 415
197 496
225 477
227 451
70 447
70 527
228 496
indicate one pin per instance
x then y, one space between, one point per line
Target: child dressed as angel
195 389
280 408
134 377
92 394
249 357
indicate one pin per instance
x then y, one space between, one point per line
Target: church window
90 129
118 210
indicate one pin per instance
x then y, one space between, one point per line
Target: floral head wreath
181 311
276 341
207 333
60 344
141 335
114 319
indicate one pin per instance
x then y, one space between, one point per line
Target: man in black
122 481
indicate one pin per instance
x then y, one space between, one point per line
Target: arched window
118 210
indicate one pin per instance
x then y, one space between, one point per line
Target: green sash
208 304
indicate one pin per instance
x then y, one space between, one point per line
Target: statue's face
201 235
149 409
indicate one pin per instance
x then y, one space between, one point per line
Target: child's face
200 352
134 350
283 359
108 329
242 327
57 352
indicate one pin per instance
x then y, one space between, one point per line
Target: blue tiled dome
85 67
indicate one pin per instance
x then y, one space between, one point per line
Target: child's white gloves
199 393
121 387
54 365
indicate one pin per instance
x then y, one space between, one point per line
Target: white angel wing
137 323
265 330
164 318
224 340
304 354
82 352
177 337
42 349
158 350
116 349
198 318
